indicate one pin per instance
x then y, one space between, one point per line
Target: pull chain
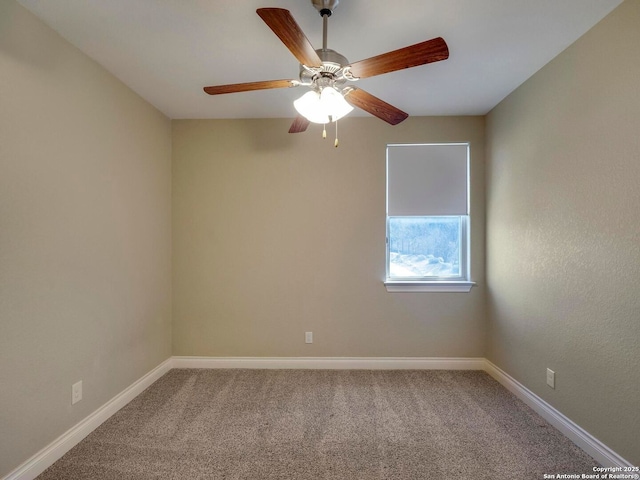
324 130
335 144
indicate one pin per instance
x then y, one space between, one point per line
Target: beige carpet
322 424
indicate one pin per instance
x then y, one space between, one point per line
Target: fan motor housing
331 70
332 56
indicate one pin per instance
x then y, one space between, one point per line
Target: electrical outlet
551 378
308 337
76 392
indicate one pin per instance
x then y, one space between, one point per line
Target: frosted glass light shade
328 106
334 103
309 106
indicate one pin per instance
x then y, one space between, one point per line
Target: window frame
461 283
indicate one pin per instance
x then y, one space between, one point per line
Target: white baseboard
583 439
46 457
332 363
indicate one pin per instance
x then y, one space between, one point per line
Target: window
428 218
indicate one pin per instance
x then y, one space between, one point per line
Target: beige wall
277 234
563 231
85 235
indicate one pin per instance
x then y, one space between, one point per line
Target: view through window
424 246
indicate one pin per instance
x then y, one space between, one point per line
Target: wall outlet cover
551 378
76 392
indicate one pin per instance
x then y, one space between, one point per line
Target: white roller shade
427 180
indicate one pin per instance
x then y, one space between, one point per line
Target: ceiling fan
326 72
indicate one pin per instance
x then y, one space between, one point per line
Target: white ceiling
167 50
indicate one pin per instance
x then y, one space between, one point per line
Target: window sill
393 286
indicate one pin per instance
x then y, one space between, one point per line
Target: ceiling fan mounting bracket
325 7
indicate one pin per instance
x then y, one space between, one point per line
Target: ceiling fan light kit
326 72
325 107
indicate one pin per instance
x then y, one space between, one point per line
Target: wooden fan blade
247 87
372 104
299 125
285 27
430 51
